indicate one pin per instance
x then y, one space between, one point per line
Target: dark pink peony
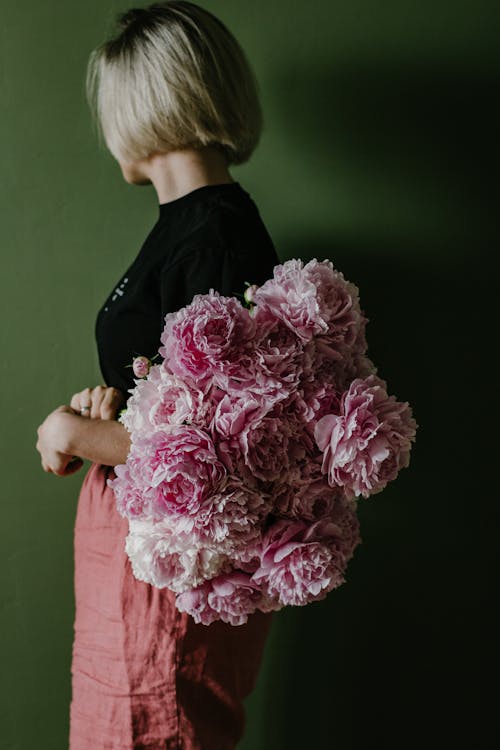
259 445
355 363
278 351
318 398
265 448
206 337
180 470
369 441
230 597
339 530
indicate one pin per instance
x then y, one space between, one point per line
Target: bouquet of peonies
251 443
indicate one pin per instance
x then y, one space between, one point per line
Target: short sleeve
218 268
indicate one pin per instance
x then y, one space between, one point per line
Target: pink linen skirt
145 676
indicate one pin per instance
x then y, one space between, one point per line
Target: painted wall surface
379 152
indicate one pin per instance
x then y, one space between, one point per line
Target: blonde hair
173 77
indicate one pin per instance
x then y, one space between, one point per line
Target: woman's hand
56 432
50 445
102 402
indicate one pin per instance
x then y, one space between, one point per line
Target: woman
177 105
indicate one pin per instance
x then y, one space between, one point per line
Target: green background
380 152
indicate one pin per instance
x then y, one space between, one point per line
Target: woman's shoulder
232 230
236 226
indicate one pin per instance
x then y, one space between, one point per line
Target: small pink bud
141 366
250 292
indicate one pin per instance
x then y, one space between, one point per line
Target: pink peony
236 412
162 399
264 447
291 297
307 496
325 365
312 300
345 533
206 337
231 519
260 446
354 363
369 441
246 557
318 398
144 397
339 530
180 469
278 352
230 597
300 563
132 499
179 400
268 368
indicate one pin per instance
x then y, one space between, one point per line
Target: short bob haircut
174 77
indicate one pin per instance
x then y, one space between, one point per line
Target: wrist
65 430
104 441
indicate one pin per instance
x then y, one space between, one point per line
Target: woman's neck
176 173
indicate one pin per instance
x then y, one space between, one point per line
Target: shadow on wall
399 648
431 131
397 656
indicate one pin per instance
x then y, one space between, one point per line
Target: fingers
75 464
38 446
78 400
89 397
111 402
97 395
104 402
62 465
53 461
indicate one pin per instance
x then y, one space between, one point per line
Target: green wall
380 153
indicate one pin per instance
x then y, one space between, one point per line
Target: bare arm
105 441
65 437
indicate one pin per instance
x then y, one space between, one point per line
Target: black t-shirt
212 237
